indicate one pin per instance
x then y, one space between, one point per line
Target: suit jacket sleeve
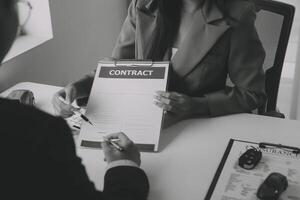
121 183
125 183
125 45
245 70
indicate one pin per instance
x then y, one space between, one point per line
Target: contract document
235 183
121 100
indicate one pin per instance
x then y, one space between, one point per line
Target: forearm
230 101
86 82
234 100
83 88
200 107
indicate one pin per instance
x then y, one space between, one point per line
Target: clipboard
121 100
233 182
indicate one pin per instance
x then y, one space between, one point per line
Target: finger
64 104
169 95
164 106
74 109
62 113
117 135
162 99
56 105
172 102
70 94
56 96
106 147
63 109
123 141
168 108
55 108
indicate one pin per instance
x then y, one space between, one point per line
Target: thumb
105 146
70 95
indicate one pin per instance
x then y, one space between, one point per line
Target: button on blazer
217 48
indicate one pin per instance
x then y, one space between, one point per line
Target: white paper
124 103
236 183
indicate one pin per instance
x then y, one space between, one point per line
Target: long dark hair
168 24
222 7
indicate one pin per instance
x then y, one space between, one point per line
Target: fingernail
73 109
156 97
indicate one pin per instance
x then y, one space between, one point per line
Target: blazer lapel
204 33
147 23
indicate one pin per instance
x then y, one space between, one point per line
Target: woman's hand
63 99
179 105
79 91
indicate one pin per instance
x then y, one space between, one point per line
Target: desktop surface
189 152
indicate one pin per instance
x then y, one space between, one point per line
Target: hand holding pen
75 110
118 146
83 117
113 143
69 94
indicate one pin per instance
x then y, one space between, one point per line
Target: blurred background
67 38
83 33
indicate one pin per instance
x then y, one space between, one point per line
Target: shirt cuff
118 163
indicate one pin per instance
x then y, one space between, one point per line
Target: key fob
272 187
250 158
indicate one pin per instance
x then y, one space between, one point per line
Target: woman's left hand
179 104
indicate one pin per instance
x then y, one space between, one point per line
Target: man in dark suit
37 151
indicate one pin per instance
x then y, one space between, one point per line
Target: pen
76 126
84 117
78 112
265 144
113 143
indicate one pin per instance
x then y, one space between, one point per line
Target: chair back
274 23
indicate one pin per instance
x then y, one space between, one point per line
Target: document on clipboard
232 182
121 100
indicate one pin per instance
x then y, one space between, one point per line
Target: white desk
190 151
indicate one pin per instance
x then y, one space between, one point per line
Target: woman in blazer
206 41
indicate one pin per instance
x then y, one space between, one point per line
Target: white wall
288 96
291 54
84 32
36 31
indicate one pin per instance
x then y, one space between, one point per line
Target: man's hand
130 151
